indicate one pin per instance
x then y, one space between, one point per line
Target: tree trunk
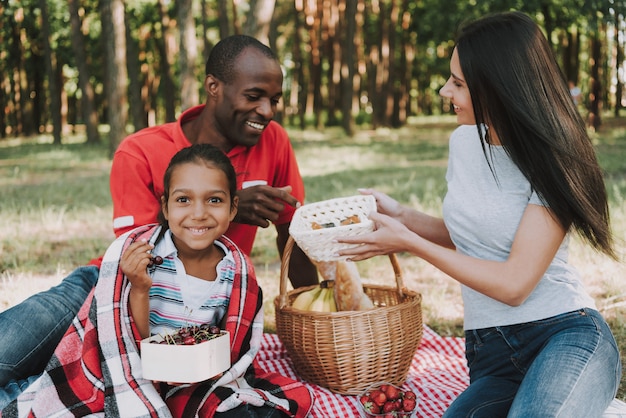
3 104
348 67
619 59
571 53
188 55
224 22
259 19
331 46
40 105
206 45
595 91
381 69
391 89
136 104
315 80
169 89
114 37
236 24
298 97
404 67
87 100
55 96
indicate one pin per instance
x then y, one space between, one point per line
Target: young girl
522 173
201 277
194 281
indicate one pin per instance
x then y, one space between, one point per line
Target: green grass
56 211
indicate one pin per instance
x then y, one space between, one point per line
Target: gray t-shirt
482 213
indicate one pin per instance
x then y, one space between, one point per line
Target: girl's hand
389 236
134 264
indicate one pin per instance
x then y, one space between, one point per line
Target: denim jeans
32 330
565 366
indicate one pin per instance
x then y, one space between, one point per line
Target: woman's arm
511 281
134 264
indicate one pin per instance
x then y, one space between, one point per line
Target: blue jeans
32 330
565 366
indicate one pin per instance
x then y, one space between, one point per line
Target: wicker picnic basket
347 351
318 244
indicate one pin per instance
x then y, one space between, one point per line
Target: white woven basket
318 243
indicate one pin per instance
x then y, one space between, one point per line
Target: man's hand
261 205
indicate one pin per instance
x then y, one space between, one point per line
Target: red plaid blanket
96 369
438 374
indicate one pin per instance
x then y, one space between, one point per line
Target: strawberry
378 397
398 404
410 394
364 399
408 404
373 408
389 406
392 392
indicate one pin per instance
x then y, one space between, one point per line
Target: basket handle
284 270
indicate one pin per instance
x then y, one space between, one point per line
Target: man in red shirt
242 95
243 87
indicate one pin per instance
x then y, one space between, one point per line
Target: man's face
248 103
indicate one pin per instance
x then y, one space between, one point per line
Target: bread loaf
349 294
348 288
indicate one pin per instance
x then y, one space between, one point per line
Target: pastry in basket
349 294
350 220
315 225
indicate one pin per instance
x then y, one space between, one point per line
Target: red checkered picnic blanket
438 374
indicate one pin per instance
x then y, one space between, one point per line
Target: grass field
56 211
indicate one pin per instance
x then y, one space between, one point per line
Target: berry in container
384 399
168 359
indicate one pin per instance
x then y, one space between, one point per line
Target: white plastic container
185 363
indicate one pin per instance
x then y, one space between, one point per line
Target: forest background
77 65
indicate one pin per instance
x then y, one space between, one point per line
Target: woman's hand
389 236
430 228
134 264
385 204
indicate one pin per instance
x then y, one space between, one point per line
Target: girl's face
199 207
456 90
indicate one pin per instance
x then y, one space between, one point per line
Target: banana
303 300
320 302
331 304
318 299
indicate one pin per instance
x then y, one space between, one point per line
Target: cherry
158 260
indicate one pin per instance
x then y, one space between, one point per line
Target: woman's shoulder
465 131
464 138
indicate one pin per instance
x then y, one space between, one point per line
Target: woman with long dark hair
522 175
